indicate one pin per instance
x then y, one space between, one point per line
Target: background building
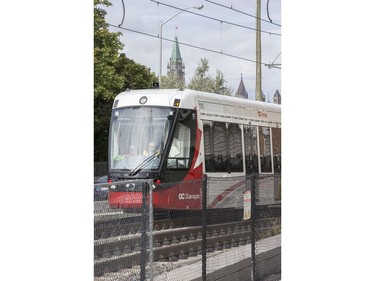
241 91
176 67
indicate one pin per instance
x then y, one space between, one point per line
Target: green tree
136 76
106 80
113 73
172 81
202 80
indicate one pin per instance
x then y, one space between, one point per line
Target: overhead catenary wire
268 12
231 8
185 44
273 64
123 13
276 57
215 19
194 46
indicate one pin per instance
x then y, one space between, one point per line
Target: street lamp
161 35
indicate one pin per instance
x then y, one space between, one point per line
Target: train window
265 150
235 148
251 149
179 154
276 146
215 146
132 130
220 145
208 147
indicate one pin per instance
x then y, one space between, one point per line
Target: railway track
173 239
123 223
132 225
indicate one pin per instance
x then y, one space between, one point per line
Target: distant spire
241 92
277 97
176 66
176 54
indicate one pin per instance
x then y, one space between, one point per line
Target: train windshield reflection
137 133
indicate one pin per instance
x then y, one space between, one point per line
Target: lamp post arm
164 22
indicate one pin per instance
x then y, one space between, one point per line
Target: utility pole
258 83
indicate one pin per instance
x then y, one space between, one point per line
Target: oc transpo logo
187 196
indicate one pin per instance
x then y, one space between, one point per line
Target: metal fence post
143 256
204 228
253 218
151 228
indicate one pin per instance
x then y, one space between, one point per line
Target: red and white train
174 137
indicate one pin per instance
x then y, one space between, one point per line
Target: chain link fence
204 229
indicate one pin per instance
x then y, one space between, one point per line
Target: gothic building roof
241 92
277 97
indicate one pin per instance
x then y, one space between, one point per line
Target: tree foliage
113 73
106 47
172 81
136 76
202 80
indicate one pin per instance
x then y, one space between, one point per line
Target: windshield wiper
139 168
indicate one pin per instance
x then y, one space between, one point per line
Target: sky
222 30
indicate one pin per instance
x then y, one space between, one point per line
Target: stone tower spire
176 66
241 92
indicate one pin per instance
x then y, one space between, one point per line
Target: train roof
211 106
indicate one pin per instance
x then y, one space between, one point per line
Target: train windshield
137 133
